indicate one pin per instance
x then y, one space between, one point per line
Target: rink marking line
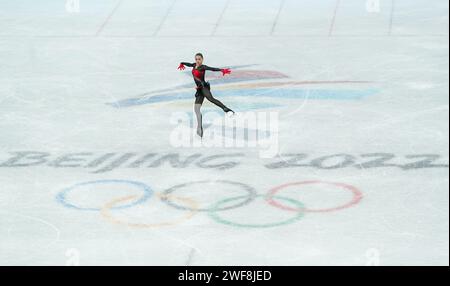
164 18
111 14
391 20
221 36
191 211
220 18
277 17
47 223
190 257
333 20
56 229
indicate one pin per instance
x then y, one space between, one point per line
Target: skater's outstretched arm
187 64
182 64
224 71
208 68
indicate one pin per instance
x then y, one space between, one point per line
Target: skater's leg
207 93
197 105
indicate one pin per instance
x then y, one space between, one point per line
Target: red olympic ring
357 196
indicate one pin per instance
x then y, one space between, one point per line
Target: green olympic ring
213 213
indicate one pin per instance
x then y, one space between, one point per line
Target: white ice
62 64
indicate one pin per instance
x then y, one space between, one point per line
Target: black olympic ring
251 195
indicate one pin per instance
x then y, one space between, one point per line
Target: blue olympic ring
148 192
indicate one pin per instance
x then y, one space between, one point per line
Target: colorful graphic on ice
258 85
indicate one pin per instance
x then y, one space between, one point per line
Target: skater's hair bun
199 54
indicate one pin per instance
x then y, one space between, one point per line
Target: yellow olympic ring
106 212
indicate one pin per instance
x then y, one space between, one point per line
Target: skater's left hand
225 71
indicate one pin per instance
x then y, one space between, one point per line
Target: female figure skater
203 88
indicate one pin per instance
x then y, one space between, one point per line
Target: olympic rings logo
191 207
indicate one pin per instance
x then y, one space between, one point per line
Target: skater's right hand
181 67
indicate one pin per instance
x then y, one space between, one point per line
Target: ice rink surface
89 174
